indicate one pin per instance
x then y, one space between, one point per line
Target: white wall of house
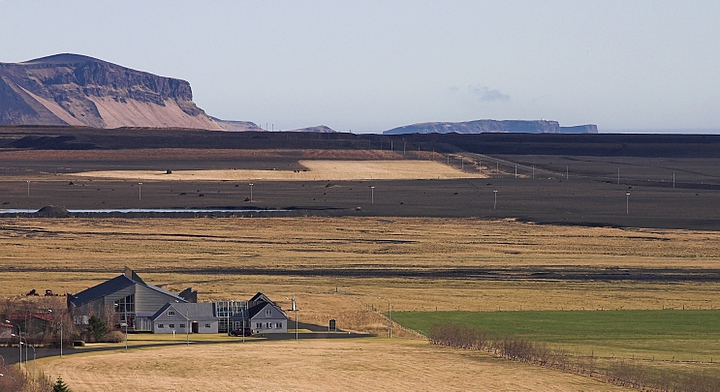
176 319
269 319
264 325
183 327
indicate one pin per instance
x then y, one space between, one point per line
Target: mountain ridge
79 90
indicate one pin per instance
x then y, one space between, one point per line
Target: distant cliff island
491 126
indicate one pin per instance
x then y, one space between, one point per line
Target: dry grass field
310 365
417 263
313 170
337 268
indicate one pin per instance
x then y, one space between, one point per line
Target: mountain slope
71 89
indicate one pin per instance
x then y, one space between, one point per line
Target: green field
641 334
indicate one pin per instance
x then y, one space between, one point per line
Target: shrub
12 379
114 337
622 373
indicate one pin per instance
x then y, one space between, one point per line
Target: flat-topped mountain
316 129
494 126
77 90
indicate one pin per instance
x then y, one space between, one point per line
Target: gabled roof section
103 289
262 305
260 297
163 291
192 311
160 311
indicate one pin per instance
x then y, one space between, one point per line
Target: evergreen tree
97 328
60 386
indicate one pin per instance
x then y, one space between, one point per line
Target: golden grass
69 255
309 365
335 170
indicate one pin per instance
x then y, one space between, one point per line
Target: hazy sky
368 66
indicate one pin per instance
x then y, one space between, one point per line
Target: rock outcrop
496 126
71 89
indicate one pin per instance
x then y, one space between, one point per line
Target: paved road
10 354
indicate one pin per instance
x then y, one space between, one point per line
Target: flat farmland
338 267
418 263
314 170
406 186
650 335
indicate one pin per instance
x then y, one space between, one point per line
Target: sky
369 66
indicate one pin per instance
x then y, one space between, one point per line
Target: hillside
76 90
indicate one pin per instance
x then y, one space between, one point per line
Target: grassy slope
309 365
682 335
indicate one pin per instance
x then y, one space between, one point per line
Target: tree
60 386
97 328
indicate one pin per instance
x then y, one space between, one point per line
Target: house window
182 325
126 304
258 325
268 312
278 325
269 325
171 325
207 325
161 326
171 313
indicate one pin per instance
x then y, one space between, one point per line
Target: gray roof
193 311
260 306
160 290
101 290
260 297
113 285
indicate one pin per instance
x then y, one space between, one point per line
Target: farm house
127 296
143 307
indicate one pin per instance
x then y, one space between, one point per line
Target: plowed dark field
673 180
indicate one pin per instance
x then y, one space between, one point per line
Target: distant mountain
77 90
496 126
237 126
316 129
